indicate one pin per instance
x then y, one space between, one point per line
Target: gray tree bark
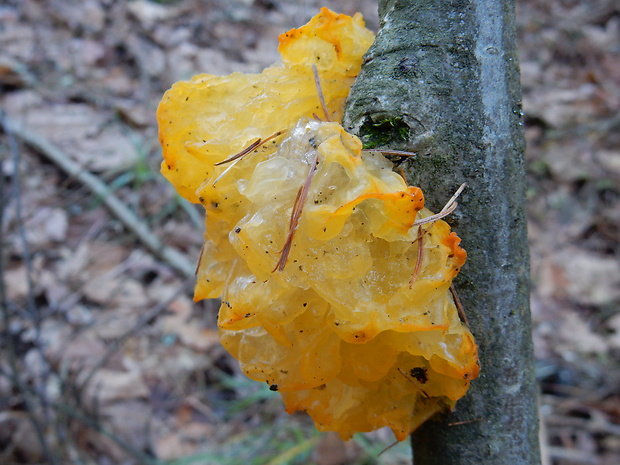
442 80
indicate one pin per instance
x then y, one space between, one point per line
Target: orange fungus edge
325 22
259 338
452 241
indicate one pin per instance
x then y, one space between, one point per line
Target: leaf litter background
105 359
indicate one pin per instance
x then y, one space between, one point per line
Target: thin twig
142 321
418 263
459 305
437 216
79 415
448 208
237 157
319 89
388 448
257 143
244 152
400 153
298 206
171 256
454 197
39 398
464 422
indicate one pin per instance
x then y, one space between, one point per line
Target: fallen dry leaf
130 419
183 441
149 14
584 277
83 352
576 335
23 436
181 324
46 226
92 138
110 385
116 291
331 450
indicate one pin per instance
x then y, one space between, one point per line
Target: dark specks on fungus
420 374
299 348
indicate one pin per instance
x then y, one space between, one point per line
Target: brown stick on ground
143 233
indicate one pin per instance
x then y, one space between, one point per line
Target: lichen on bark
448 70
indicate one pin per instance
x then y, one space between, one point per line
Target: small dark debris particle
419 373
237 230
305 304
273 387
247 315
215 204
226 303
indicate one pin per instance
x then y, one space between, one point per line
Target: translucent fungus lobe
334 290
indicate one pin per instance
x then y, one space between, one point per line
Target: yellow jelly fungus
334 291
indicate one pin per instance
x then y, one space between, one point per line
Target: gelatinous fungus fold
335 279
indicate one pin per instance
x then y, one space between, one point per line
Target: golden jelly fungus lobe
208 118
358 327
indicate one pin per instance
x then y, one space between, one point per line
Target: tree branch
442 79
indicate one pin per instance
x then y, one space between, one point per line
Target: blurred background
104 357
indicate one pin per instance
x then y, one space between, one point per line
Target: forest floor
105 358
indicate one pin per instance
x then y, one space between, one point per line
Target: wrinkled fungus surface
350 327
